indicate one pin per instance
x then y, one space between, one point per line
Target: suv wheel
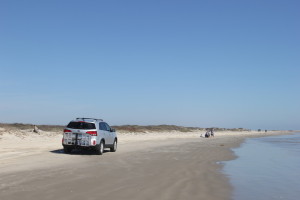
100 148
67 149
114 148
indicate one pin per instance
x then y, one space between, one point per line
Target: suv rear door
110 135
103 128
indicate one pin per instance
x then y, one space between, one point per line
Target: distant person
35 129
207 134
212 133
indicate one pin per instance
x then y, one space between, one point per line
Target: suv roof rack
84 118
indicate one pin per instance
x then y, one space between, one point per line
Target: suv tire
114 148
100 148
67 149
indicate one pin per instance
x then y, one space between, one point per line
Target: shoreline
163 166
263 164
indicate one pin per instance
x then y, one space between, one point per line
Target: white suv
89 133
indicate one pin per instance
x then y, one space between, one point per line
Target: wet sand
173 168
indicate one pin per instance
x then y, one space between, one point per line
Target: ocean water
267 168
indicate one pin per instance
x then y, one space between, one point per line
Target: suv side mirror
112 130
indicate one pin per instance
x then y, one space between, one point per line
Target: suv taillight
67 131
92 133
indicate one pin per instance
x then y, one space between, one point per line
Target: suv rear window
81 125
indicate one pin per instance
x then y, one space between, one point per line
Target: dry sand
165 166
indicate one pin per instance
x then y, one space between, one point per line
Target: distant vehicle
89 133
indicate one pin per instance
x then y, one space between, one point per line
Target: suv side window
107 127
102 126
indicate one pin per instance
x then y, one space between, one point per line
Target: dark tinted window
81 125
107 127
102 126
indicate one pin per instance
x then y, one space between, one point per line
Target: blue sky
190 63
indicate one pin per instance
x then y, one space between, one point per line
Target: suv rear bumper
79 147
87 147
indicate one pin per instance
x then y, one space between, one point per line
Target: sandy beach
165 165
